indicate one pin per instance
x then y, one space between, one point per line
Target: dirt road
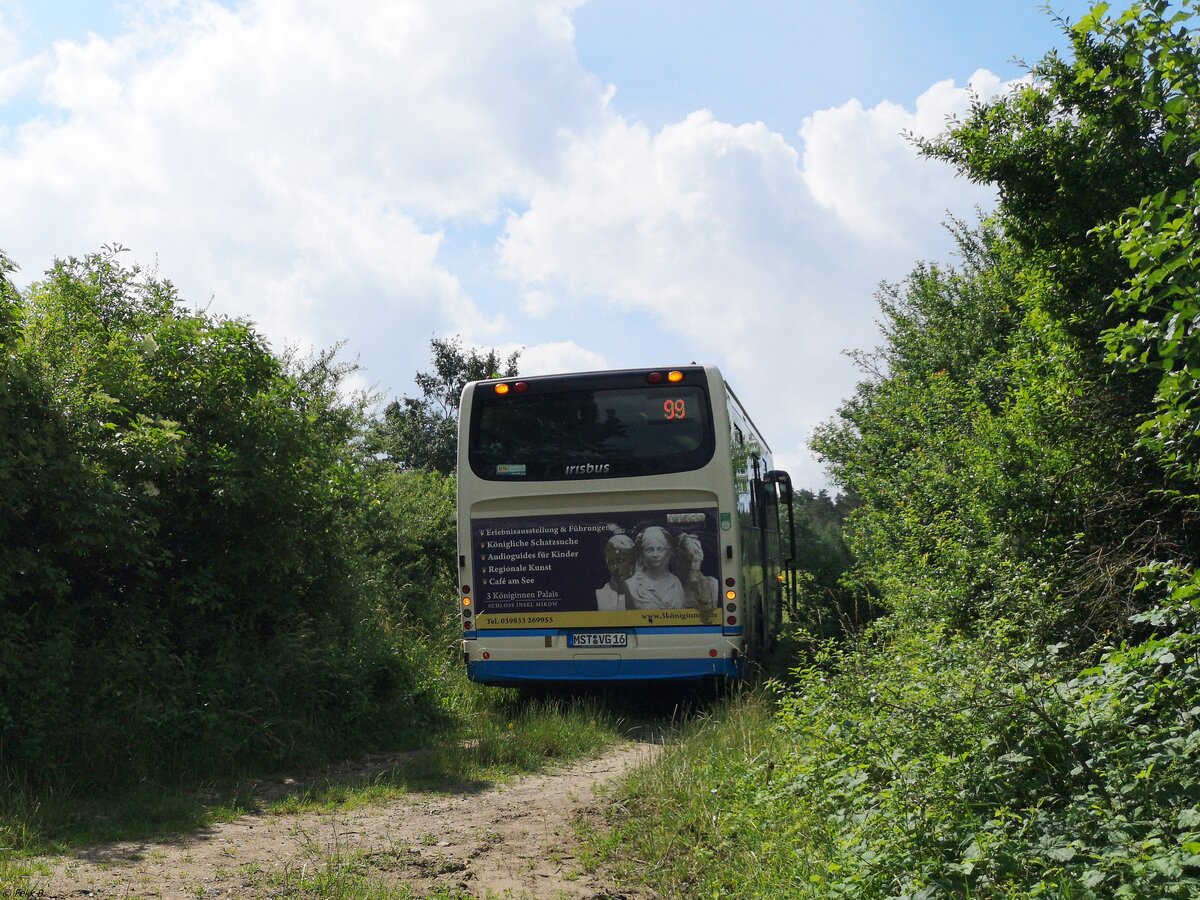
515 840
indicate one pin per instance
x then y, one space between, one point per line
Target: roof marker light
674 377
654 378
502 389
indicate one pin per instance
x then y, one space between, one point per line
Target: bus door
772 565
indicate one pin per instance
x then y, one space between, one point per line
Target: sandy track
514 840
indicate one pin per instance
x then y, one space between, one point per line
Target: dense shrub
942 766
185 584
1023 721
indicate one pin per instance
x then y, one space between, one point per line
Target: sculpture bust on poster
653 585
620 557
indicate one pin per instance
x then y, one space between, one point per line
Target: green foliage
929 765
1159 332
407 537
974 452
998 452
185 581
824 605
705 818
1024 722
422 433
941 765
1084 140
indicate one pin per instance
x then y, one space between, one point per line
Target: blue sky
609 183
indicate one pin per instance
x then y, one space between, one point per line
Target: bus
617 525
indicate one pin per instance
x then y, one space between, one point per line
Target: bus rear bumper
599 669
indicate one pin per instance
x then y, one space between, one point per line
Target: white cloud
10 41
760 255
273 155
701 224
17 72
860 163
557 357
307 164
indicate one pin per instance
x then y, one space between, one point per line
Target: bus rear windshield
551 434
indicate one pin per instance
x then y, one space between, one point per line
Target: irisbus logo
588 469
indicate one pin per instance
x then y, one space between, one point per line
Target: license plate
598 639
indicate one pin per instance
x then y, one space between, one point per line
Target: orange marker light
502 389
674 377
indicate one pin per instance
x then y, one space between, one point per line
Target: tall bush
181 576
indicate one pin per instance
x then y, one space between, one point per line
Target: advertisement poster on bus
653 568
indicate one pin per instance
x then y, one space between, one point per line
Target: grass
507 740
697 821
505 737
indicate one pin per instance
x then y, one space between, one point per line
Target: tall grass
705 819
508 737
498 736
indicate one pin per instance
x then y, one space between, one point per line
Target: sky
603 184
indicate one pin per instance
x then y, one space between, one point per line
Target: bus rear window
550 434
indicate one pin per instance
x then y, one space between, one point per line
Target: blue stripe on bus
502 671
541 632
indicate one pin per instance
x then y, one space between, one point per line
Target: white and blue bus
619 525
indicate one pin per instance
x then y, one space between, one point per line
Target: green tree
825 606
422 433
1025 449
182 583
965 447
999 442
1023 722
1095 165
